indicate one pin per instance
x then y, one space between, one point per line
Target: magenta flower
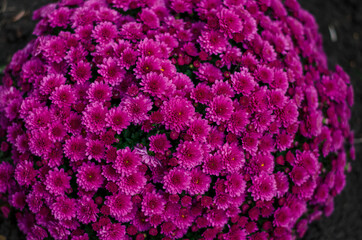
200 182
176 181
87 210
119 205
111 72
75 148
89 177
94 117
264 187
57 182
177 113
159 143
220 109
153 204
189 154
99 92
127 161
64 208
125 119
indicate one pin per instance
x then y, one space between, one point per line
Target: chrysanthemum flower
213 42
127 161
155 84
264 187
243 82
119 205
153 204
105 32
111 72
213 165
177 180
177 113
99 92
199 183
94 117
220 109
87 210
75 148
63 96
112 231
132 183
159 143
57 182
81 72
137 108
95 150
189 154
64 208
89 177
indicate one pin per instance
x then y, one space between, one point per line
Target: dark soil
345 17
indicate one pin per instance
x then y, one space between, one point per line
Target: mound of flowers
179 119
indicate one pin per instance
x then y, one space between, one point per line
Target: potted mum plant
158 119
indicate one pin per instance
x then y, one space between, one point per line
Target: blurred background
340 23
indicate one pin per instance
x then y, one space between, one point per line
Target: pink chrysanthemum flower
176 181
63 96
127 161
51 82
111 72
212 42
112 231
159 143
243 82
199 129
262 162
264 187
232 157
308 160
208 72
117 119
57 182
282 183
299 175
220 109
213 165
119 205
99 92
132 183
75 148
81 72
39 142
137 108
94 117
189 154
150 18
57 131
202 93
89 177
229 21
238 121
155 84
177 113
235 185
95 150
105 32
153 204
87 210
217 218
64 208
200 182
282 217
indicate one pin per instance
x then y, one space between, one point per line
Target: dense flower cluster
155 119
